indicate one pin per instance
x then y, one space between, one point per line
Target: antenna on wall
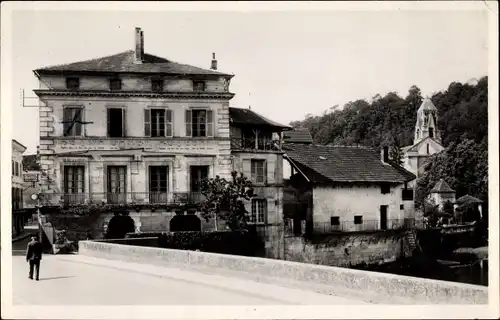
26 102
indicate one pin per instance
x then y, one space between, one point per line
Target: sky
287 64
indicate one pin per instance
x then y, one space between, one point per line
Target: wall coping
324 279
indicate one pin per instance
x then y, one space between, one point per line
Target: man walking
33 256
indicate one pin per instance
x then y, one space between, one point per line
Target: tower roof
427 105
442 187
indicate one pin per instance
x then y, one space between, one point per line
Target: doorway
383 217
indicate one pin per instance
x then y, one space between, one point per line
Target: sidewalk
228 283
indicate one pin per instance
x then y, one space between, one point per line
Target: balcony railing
249 144
365 225
51 199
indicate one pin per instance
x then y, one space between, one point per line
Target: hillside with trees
390 120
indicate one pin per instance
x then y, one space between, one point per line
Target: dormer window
199 85
157 85
115 84
72 83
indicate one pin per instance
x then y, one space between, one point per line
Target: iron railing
249 144
48 199
365 225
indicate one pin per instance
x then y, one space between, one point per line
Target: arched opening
188 222
119 226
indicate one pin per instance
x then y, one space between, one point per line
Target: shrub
240 242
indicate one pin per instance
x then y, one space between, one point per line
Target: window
72 83
258 171
199 85
116 122
335 221
158 182
407 195
115 84
401 207
157 85
13 168
17 169
72 121
358 219
385 188
197 174
431 132
158 123
427 148
259 211
199 123
74 179
117 184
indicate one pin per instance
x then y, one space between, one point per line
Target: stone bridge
114 274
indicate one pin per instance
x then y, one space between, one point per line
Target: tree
225 199
396 154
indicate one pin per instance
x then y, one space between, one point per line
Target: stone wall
345 250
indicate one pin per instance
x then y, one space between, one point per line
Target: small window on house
335 221
401 207
258 171
259 211
158 123
431 132
358 219
115 84
427 148
407 195
385 188
199 85
72 83
13 168
116 122
72 121
199 123
157 85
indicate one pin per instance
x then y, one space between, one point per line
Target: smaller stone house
349 188
17 186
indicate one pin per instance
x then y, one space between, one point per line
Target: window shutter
108 118
168 124
77 126
188 123
124 123
147 123
66 120
271 168
265 172
210 123
247 169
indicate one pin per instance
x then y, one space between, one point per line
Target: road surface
79 280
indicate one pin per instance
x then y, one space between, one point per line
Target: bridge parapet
370 286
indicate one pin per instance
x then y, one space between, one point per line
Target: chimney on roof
385 154
139 45
214 62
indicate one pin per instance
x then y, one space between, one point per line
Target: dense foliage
390 120
238 242
225 200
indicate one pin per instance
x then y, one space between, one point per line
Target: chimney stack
214 62
139 45
385 154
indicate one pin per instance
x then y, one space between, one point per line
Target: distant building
442 193
349 188
17 186
298 136
427 139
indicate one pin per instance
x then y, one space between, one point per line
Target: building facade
135 128
349 188
427 139
17 174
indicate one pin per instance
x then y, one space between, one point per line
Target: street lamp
36 197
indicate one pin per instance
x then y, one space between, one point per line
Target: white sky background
286 64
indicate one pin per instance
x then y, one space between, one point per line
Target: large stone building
137 128
427 139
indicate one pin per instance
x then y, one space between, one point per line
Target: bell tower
427 119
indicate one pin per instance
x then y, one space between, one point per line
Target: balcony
254 144
364 226
161 198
